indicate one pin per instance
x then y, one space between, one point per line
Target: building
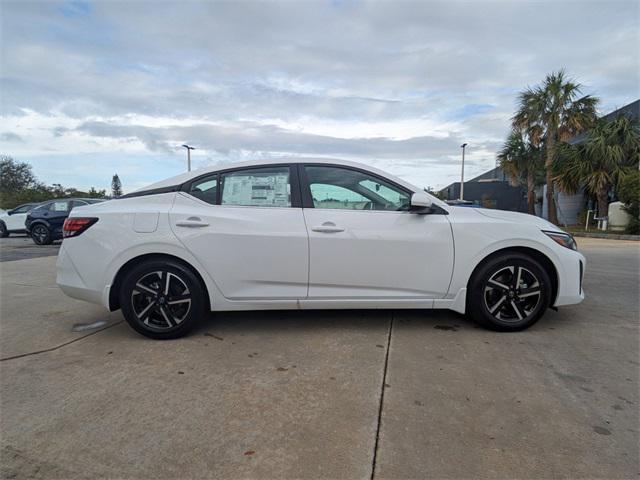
572 208
492 189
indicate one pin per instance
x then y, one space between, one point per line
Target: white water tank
618 218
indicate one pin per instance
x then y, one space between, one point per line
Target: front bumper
570 279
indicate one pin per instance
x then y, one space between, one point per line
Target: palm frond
610 151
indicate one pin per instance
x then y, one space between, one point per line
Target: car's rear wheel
41 235
509 292
162 299
4 233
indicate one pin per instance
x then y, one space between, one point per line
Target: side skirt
457 303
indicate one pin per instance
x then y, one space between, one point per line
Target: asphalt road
20 247
359 394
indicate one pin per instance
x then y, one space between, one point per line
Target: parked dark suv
44 223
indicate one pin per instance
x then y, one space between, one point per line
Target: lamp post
463 146
188 156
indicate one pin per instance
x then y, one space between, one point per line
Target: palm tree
554 112
610 152
522 162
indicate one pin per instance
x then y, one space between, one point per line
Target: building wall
498 195
567 206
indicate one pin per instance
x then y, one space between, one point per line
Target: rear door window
60 206
257 187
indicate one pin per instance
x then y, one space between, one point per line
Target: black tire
40 234
156 314
509 292
4 233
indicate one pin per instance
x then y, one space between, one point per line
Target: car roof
75 198
185 177
48 202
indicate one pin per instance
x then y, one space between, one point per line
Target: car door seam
306 227
453 264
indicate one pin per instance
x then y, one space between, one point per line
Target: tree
93 193
116 186
435 193
18 184
554 112
610 152
15 176
521 160
57 190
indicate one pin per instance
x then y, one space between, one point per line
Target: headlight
561 238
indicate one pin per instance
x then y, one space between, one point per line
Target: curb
608 236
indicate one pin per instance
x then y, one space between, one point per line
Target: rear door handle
327 227
192 222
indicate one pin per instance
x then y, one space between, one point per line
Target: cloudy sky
93 88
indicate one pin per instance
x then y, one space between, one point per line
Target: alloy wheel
40 233
512 294
161 300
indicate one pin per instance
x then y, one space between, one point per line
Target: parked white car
310 234
12 221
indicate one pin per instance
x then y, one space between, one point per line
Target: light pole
188 156
463 146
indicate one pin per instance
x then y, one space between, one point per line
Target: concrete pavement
360 394
557 401
36 315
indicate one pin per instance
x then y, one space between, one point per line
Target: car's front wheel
41 235
509 292
4 233
162 299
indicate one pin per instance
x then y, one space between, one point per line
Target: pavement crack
29 285
57 347
381 404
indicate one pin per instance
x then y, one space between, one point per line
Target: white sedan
310 234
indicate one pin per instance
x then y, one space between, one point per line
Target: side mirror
420 203
10 212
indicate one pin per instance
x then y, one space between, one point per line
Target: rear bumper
70 281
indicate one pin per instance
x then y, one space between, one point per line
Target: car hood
517 217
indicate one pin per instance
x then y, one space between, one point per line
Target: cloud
255 137
10 137
395 82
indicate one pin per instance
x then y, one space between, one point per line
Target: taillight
75 226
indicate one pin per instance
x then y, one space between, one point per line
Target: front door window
347 189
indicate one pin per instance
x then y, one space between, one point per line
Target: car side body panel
117 241
378 254
472 228
270 258
14 219
15 222
254 253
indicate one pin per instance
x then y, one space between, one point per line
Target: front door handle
327 227
192 222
